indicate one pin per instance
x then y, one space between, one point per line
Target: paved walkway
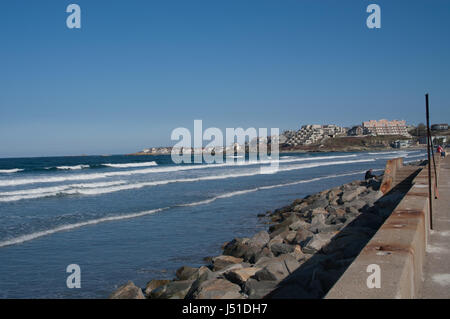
437 260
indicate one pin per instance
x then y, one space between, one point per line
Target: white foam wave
417 155
51 191
166 169
24 238
75 167
106 190
126 165
8 171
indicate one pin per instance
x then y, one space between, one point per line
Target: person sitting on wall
369 175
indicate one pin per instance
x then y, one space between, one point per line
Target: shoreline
317 236
318 150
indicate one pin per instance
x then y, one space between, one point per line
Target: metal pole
430 195
434 168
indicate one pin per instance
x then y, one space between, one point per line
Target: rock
317 242
333 194
284 224
240 276
265 252
258 289
260 239
252 253
185 272
220 262
153 284
297 253
128 291
275 240
281 248
299 207
348 196
302 236
230 267
352 211
371 197
319 203
290 237
236 247
276 269
319 211
173 290
273 271
289 261
281 231
217 289
203 270
300 224
318 223
357 203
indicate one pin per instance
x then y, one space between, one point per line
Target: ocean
139 218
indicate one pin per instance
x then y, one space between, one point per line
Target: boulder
259 240
276 269
317 242
217 289
275 240
272 271
297 253
173 290
281 231
302 236
319 203
127 291
300 206
318 223
265 252
221 262
290 236
153 284
284 224
258 289
185 272
300 224
281 248
236 248
240 276
357 203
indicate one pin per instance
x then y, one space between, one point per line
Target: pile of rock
305 250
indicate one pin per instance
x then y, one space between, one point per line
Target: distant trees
419 130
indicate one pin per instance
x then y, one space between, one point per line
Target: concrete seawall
398 247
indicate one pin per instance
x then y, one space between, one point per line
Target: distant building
357 130
310 134
385 127
436 139
401 143
439 127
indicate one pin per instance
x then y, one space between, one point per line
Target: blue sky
137 69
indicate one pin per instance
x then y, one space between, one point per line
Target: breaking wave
76 190
29 237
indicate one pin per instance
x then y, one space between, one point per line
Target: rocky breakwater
307 247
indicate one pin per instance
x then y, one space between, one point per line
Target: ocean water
139 218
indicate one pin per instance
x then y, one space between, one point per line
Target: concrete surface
399 248
436 275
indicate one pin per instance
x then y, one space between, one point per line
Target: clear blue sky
138 69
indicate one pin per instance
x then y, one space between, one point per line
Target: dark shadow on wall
315 277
